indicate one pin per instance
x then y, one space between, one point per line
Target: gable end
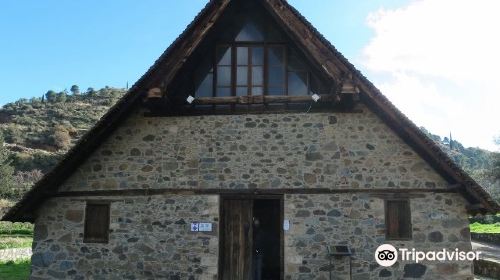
314 45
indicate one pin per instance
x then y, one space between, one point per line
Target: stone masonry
357 220
150 236
296 150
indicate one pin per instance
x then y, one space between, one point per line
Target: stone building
250 133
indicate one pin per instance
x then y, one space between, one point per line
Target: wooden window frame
216 66
105 239
250 65
284 67
408 216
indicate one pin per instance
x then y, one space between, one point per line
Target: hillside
39 131
469 159
482 165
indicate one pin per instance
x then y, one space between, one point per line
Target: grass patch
7 242
16 228
15 270
485 228
15 235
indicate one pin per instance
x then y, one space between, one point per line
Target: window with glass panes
224 71
250 70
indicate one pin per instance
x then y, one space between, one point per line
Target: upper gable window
249 70
252 56
252 69
224 71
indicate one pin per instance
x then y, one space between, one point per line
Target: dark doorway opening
251 238
266 238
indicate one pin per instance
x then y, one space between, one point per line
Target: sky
435 60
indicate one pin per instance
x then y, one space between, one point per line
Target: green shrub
9 242
485 228
8 228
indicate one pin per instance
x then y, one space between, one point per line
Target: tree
6 171
61 137
35 100
75 90
51 96
91 91
61 96
22 101
26 179
496 162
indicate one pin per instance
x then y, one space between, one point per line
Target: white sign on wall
195 226
201 227
286 224
205 226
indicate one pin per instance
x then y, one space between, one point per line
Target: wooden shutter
398 219
96 223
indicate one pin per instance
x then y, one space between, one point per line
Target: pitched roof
308 38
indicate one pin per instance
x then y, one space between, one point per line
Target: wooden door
237 239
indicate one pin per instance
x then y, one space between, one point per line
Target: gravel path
488 251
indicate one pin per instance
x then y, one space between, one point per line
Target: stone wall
493 238
487 268
293 150
357 220
149 238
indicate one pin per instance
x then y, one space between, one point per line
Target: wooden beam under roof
348 91
259 99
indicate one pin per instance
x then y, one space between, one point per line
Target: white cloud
439 62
